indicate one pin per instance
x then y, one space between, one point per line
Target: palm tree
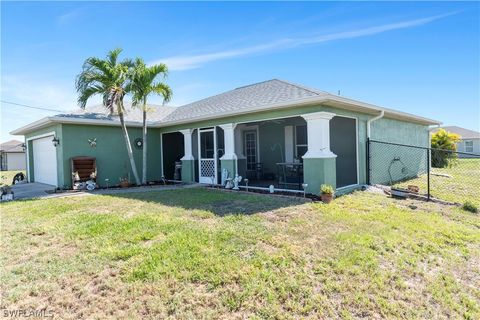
108 78
144 82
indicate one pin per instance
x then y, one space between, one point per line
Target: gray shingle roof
464 133
98 112
253 96
12 146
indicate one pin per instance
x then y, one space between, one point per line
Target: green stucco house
272 133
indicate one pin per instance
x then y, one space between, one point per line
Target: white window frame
467 148
257 153
295 140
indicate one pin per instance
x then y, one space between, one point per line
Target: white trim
256 128
321 115
50 120
349 186
215 160
465 145
257 145
37 137
51 133
343 103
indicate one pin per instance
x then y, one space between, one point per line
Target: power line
32 107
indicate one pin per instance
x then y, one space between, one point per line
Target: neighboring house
272 132
12 156
469 140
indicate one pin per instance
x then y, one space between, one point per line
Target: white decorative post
187 138
188 164
239 141
319 163
229 136
318 135
229 158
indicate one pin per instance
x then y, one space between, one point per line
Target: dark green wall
110 152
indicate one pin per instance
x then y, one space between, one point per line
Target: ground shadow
220 202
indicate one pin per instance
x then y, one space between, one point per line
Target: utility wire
32 107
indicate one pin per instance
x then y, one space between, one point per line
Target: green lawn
198 253
459 183
7 177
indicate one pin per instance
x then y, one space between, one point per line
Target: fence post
428 173
368 161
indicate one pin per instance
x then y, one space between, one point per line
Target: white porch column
187 138
318 135
229 136
239 141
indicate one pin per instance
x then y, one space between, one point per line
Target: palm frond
112 56
87 93
164 90
142 83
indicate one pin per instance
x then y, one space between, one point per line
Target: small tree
444 144
108 78
145 81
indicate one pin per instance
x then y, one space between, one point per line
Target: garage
44 161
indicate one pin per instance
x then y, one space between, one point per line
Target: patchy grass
200 253
459 183
7 177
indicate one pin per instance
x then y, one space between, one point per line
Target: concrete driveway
31 190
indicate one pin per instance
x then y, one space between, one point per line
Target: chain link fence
431 173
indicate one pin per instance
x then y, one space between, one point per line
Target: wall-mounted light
24 146
55 141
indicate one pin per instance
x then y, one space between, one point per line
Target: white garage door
44 161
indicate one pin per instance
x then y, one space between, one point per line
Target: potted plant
124 183
326 192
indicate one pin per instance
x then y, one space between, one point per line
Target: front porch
289 153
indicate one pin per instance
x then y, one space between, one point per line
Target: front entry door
207 164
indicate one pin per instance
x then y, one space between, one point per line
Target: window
301 146
468 145
251 149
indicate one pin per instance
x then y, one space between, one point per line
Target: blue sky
420 57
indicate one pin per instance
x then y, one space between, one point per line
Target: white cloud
68 16
184 62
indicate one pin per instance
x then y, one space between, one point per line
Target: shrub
326 189
444 140
470 207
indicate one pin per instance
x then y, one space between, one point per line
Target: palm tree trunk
144 164
129 148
